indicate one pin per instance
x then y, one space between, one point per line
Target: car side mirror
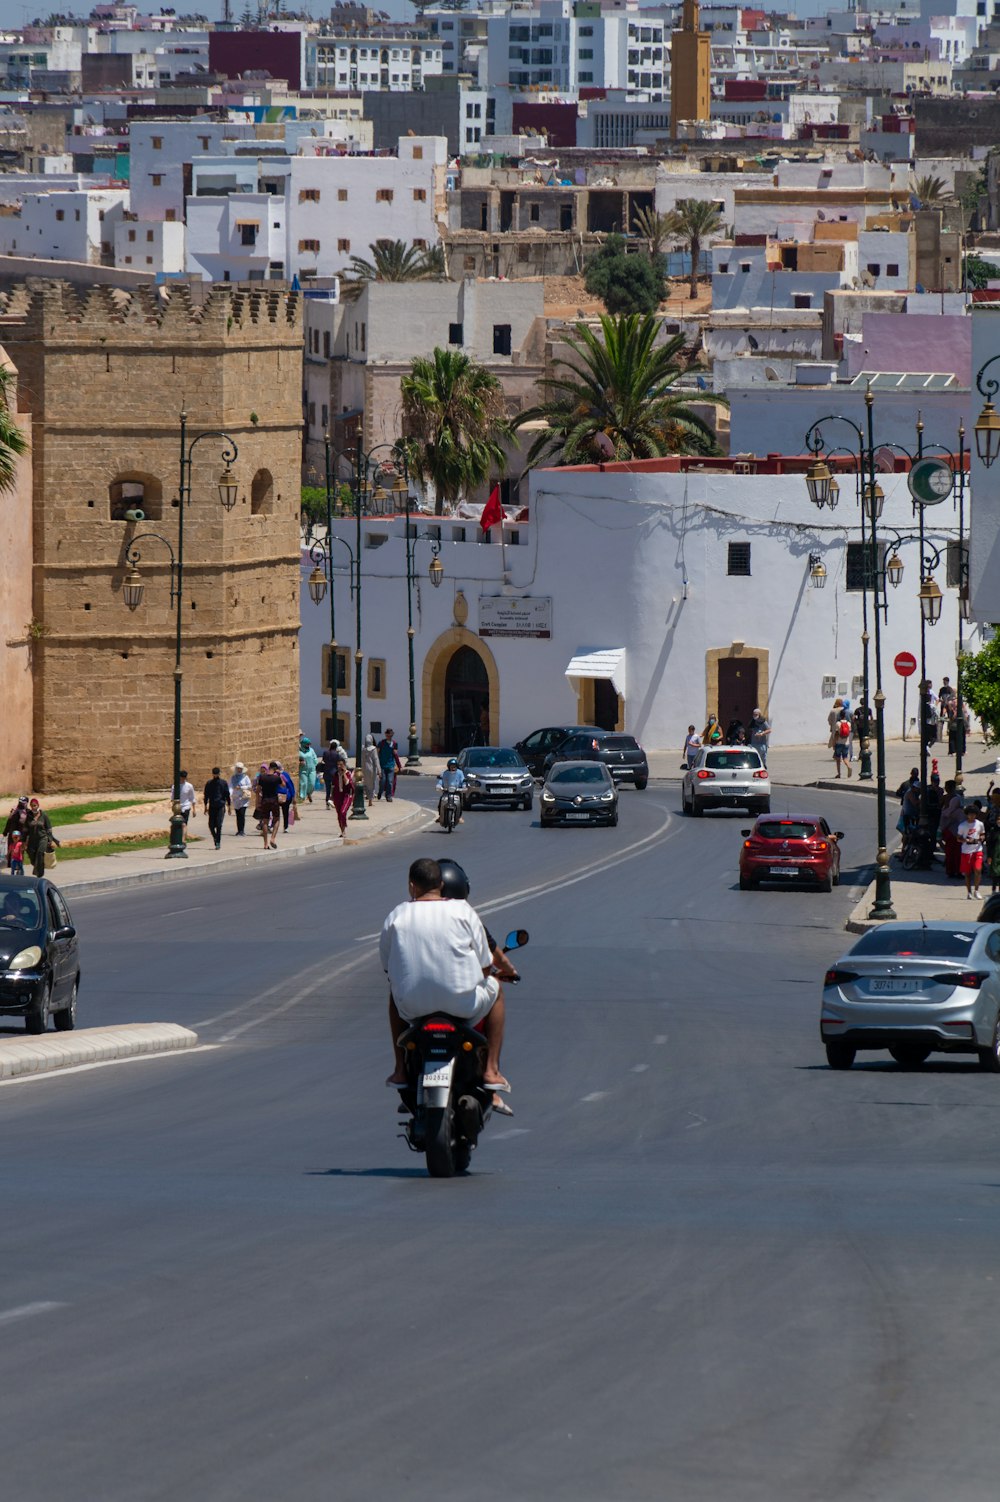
745 832
67 932
838 834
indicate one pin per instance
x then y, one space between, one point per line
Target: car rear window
950 943
787 829
619 743
732 759
580 774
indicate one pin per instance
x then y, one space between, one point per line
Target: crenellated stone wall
105 375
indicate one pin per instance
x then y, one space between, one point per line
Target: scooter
449 1103
451 808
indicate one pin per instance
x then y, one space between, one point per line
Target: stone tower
690 70
105 375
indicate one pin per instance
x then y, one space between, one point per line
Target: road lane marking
25 1311
510 1132
639 1068
595 1095
320 974
698 1121
660 1038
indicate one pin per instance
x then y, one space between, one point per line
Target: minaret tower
690 70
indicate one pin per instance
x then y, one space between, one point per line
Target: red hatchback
788 848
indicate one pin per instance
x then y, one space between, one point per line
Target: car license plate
578 816
500 790
784 871
892 987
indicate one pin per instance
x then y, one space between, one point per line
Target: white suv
727 777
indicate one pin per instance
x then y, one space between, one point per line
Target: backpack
844 729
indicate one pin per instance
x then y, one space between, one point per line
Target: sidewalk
317 830
921 894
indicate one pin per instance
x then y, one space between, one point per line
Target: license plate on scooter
439 1076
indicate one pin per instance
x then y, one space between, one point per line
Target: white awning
600 662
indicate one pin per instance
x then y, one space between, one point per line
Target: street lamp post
321 578
133 590
963 611
436 573
818 481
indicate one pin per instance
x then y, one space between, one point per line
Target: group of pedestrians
968 831
756 734
28 838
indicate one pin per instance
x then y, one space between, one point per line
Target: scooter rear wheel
438 1143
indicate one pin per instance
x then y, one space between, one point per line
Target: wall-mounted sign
515 615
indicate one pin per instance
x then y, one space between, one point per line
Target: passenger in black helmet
439 957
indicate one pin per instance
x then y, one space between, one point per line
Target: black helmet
454 882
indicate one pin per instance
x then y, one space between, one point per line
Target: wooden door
737 689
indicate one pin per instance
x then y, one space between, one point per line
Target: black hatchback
39 956
621 754
536 747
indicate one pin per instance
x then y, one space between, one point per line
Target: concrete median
21 1058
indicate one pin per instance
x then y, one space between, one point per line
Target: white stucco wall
639 560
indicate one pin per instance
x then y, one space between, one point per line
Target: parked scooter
449 1103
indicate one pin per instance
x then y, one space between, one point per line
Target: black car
579 792
990 910
39 957
535 747
621 754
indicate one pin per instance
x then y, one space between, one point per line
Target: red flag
493 511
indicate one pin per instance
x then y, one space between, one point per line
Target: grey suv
726 777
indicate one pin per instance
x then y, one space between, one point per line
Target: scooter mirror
516 939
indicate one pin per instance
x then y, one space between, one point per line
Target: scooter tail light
439 1027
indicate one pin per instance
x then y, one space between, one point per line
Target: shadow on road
366 1173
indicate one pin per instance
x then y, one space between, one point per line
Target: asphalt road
696 1265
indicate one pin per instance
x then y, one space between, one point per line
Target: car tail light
748 844
971 980
704 776
439 1027
818 845
839 977
761 776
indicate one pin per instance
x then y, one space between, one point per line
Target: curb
173 870
21 1058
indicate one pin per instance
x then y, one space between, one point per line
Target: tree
654 229
455 422
614 398
929 190
12 441
624 283
393 261
980 679
978 272
694 220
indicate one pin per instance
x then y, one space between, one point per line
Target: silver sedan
915 989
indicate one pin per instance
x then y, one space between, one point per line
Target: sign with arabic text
515 615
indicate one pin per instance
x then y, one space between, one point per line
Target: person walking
307 770
240 793
972 836
833 719
952 815
712 733
16 853
187 798
267 786
286 797
370 768
328 769
216 801
760 734
842 744
41 840
388 761
343 791
17 822
692 745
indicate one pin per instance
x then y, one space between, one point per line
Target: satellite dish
867 279
752 342
771 374
820 214
604 446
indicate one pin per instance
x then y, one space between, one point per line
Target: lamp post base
177 850
882 909
359 810
865 767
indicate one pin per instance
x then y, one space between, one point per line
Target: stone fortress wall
105 375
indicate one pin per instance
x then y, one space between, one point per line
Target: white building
984 554
399 59
153 245
551 46
694 588
164 154
65 226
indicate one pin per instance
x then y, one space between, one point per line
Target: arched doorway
459 681
466 700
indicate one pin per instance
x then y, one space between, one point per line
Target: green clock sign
930 481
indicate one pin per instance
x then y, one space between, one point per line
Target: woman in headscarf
370 768
712 733
343 791
307 770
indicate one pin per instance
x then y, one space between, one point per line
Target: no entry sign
905 663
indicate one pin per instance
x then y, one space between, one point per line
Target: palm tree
393 261
12 441
614 398
931 191
653 227
693 220
455 422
